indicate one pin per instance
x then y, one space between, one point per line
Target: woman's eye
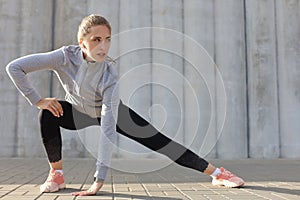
100 39
96 39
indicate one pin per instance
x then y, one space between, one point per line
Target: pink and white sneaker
54 182
227 179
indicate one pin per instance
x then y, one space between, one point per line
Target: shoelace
226 173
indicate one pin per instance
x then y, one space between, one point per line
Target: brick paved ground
266 179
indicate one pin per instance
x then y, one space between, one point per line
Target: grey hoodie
90 87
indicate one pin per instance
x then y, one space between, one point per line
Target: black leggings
129 124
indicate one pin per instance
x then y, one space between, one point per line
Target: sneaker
227 179
54 182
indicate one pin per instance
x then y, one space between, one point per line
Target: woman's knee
46 116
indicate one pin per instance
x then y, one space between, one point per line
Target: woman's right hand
52 105
91 191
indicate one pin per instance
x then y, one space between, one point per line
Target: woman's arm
109 116
19 68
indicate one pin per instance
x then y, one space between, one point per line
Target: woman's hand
91 191
52 105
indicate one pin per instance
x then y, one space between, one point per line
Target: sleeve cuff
100 174
96 179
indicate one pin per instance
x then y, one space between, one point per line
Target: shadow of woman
274 189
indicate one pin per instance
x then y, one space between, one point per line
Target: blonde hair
88 22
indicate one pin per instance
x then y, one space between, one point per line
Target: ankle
56 165
59 171
216 173
210 169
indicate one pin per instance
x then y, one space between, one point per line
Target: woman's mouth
101 54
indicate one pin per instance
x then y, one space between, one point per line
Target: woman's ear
81 44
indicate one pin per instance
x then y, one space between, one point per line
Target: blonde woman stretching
90 82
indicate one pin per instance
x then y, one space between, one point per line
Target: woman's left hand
91 191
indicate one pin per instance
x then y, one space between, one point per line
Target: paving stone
20 179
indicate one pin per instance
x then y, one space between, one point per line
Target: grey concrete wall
288 51
199 96
230 58
22 32
224 74
262 79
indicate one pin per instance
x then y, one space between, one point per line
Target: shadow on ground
273 189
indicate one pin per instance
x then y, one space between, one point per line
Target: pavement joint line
129 189
277 195
38 196
146 190
113 189
252 193
20 186
165 193
230 191
181 192
213 190
86 178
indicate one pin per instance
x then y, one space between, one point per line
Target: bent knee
45 115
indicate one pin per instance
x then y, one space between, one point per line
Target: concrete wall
22 32
224 74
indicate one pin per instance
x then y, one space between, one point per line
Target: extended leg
133 126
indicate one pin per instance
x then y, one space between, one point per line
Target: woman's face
95 45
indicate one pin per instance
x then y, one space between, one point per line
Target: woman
90 81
